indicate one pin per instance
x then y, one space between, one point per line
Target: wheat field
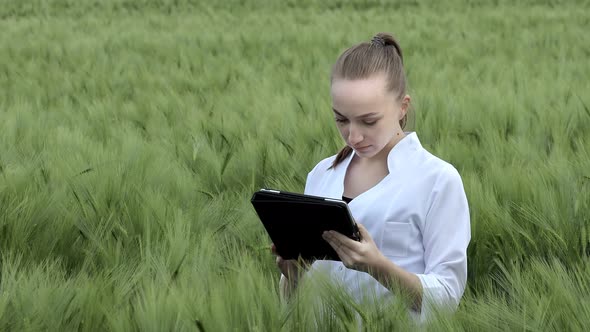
133 134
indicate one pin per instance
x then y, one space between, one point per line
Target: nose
354 135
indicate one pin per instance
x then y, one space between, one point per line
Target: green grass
133 134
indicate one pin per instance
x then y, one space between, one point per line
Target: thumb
365 236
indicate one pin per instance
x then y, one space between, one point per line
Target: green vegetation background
133 134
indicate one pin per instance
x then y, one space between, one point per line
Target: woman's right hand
292 269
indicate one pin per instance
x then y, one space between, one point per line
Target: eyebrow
358 117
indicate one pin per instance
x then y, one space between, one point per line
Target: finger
343 252
343 241
365 236
345 256
286 267
332 240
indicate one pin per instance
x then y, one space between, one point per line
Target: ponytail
345 152
384 39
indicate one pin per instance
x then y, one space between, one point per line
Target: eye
370 123
341 120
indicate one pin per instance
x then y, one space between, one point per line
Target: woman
410 205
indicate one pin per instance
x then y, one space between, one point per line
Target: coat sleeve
446 234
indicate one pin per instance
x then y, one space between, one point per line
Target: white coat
417 215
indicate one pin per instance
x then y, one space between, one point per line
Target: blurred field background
133 134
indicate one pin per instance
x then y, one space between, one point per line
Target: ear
405 106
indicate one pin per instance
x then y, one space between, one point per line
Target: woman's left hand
360 256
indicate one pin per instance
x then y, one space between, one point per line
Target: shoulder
317 176
422 166
435 178
323 166
436 168
444 186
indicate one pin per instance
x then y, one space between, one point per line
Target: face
367 115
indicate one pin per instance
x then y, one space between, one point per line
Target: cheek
343 131
382 133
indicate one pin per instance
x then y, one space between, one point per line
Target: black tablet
295 222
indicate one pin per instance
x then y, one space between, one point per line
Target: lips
362 148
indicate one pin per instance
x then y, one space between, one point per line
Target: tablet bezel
285 197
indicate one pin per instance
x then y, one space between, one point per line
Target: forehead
358 95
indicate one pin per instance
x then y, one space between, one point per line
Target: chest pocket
396 238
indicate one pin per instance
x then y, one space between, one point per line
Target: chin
367 153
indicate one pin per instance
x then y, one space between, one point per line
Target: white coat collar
398 154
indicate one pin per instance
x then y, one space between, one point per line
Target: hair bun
384 39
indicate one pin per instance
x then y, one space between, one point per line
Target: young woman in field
410 205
